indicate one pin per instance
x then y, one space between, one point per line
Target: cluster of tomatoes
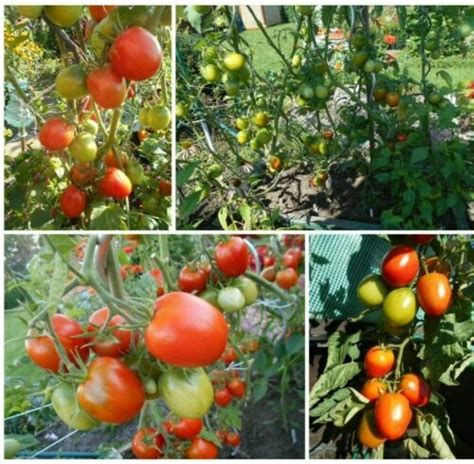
124 54
111 369
393 288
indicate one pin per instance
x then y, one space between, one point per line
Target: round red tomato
148 443
164 187
415 389
286 278
186 428
186 331
73 202
292 258
98 12
378 362
136 54
373 389
237 387
392 415
229 356
190 280
232 257
106 87
112 392
115 184
201 449
56 134
434 293
116 343
232 439
223 397
400 266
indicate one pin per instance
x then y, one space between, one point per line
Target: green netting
337 264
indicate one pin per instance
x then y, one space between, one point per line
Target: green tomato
261 119
143 117
181 110
210 73
369 66
63 16
296 61
30 11
234 61
83 148
320 68
71 82
231 299
151 388
243 74
372 291
187 392
135 172
210 54
306 91
102 36
255 144
11 447
434 98
360 57
91 127
399 307
321 91
151 205
264 136
65 405
359 40
231 88
304 10
158 117
248 288
215 170
242 137
241 123
210 295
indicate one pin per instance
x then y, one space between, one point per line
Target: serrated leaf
108 217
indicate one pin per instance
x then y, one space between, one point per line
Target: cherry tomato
392 99
164 187
115 184
237 387
378 362
286 278
190 280
248 288
71 82
112 392
186 428
415 389
400 266
106 87
72 202
186 331
223 397
373 389
399 307
148 443
292 258
434 294
392 415
201 449
136 54
114 344
232 257
367 431
229 356
56 134
82 174
232 439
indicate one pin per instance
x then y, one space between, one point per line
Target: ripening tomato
415 389
114 344
71 82
434 293
399 307
392 99
232 257
286 278
99 12
372 291
422 239
232 439
72 202
292 257
378 361
115 184
148 443
112 160
223 397
373 389
106 87
201 449
367 431
186 331
237 387
392 415
229 356
164 187
63 15
82 174
191 280
136 54
186 428
42 351
56 134
400 266
83 148
112 392
269 273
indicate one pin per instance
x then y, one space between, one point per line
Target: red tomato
72 202
232 439
158 276
131 90
164 187
221 434
190 280
112 392
106 87
286 278
186 331
434 293
186 428
373 389
392 415
114 344
115 184
98 13
292 258
148 443
422 239
269 273
201 449
56 134
237 387
111 160
42 350
232 257
82 174
136 54
223 397
415 389
401 137
229 356
400 266
378 362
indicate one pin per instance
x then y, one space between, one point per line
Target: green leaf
419 154
383 177
446 77
339 346
323 408
58 282
260 388
416 451
222 215
261 362
189 205
108 217
246 214
183 175
295 344
439 443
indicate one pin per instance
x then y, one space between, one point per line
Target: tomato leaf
260 388
183 175
419 154
416 451
439 444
